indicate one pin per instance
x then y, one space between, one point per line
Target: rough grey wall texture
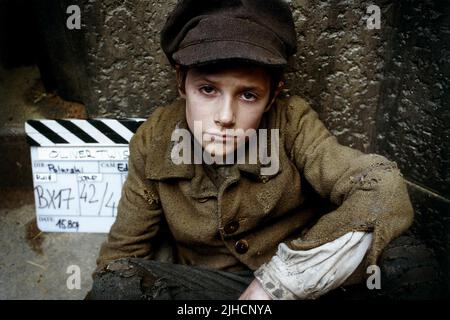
413 125
338 66
384 91
128 70
113 64
413 116
432 226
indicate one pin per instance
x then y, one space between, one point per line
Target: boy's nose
226 116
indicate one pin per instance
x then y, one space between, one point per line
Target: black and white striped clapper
81 132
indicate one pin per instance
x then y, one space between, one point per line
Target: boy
226 219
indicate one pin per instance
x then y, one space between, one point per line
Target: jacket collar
159 165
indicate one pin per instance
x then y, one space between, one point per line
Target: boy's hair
276 74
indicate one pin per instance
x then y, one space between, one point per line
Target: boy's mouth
220 136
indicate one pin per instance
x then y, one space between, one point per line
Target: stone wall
413 116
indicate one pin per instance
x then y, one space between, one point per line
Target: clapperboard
79 167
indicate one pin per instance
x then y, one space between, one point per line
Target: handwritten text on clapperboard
72 184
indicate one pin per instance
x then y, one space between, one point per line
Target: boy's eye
207 90
249 96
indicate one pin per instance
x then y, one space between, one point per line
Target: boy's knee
124 279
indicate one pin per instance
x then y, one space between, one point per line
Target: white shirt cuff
308 274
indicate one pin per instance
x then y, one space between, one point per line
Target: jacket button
231 227
241 246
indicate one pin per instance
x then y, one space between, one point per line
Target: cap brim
212 51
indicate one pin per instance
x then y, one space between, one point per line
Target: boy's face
233 98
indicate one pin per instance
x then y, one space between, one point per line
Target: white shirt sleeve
308 274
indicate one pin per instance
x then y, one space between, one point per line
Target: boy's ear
275 95
180 81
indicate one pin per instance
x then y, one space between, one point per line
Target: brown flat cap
203 31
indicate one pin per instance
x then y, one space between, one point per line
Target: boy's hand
254 292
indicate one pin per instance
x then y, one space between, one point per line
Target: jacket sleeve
368 190
139 210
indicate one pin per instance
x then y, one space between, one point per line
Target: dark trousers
139 279
409 271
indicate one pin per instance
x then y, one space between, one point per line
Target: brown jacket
241 222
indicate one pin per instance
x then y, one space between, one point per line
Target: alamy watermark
374 280
74 280
373 21
257 146
74 20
